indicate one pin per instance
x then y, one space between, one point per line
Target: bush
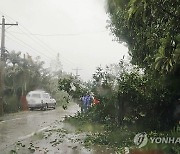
134 99
11 104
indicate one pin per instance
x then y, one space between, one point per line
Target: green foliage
22 75
118 137
65 84
151 31
100 133
141 96
11 104
73 86
145 102
131 101
149 28
104 86
133 98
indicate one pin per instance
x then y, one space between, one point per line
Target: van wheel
46 107
31 109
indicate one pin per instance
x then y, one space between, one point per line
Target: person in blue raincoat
83 104
88 101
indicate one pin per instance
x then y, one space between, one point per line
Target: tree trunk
120 109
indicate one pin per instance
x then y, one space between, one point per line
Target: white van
40 99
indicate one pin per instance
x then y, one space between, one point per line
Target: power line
17 40
26 34
27 45
47 46
35 51
65 34
30 36
77 70
44 45
40 42
24 45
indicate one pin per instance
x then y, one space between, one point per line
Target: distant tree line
22 74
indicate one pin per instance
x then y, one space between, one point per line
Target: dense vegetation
143 95
145 92
139 96
23 74
151 31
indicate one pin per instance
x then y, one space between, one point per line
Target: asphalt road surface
22 125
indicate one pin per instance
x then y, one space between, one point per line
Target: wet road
19 126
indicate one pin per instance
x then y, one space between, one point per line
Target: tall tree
151 29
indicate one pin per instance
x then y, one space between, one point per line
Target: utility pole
77 70
3 50
3 61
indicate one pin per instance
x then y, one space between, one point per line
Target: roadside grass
100 134
84 126
120 138
169 148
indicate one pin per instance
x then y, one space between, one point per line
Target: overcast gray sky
74 28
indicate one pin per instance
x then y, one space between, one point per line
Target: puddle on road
60 138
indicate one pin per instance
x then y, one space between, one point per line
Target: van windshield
46 96
36 95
